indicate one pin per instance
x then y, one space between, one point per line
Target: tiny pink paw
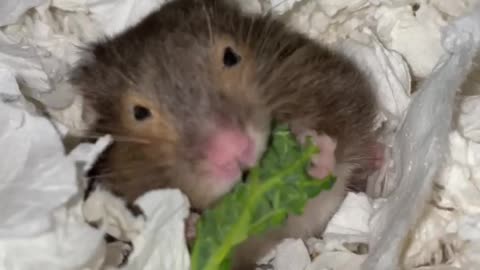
378 154
191 226
323 163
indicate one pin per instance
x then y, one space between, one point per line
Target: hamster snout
204 159
229 151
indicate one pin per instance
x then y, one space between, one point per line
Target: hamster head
181 100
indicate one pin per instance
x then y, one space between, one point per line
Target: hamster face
183 105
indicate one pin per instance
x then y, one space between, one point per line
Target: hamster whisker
141 168
209 23
131 140
116 138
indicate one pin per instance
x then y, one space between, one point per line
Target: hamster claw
191 227
118 252
122 221
378 153
323 163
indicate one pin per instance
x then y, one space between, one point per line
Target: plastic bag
423 138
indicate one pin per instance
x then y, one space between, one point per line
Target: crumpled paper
37 179
162 244
31 149
389 38
112 16
69 244
158 241
12 9
291 254
423 25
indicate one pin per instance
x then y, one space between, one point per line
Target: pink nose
228 150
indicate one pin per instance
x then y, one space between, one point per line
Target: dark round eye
141 113
230 57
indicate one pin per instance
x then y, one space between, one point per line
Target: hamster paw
106 211
118 252
378 156
323 163
191 227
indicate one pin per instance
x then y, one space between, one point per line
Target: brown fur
172 62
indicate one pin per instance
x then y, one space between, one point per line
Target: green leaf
277 187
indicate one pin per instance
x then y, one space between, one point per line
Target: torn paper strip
162 245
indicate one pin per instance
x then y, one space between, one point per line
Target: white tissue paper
162 245
116 15
423 26
12 9
37 229
36 176
292 254
41 223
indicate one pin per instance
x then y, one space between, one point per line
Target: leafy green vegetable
278 186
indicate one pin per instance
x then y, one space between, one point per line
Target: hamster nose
228 151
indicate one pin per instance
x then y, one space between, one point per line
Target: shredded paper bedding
426 209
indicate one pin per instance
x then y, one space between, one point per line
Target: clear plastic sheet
424 140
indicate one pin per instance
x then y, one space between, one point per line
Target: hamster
191 91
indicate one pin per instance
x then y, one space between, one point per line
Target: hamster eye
141 113
230 58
